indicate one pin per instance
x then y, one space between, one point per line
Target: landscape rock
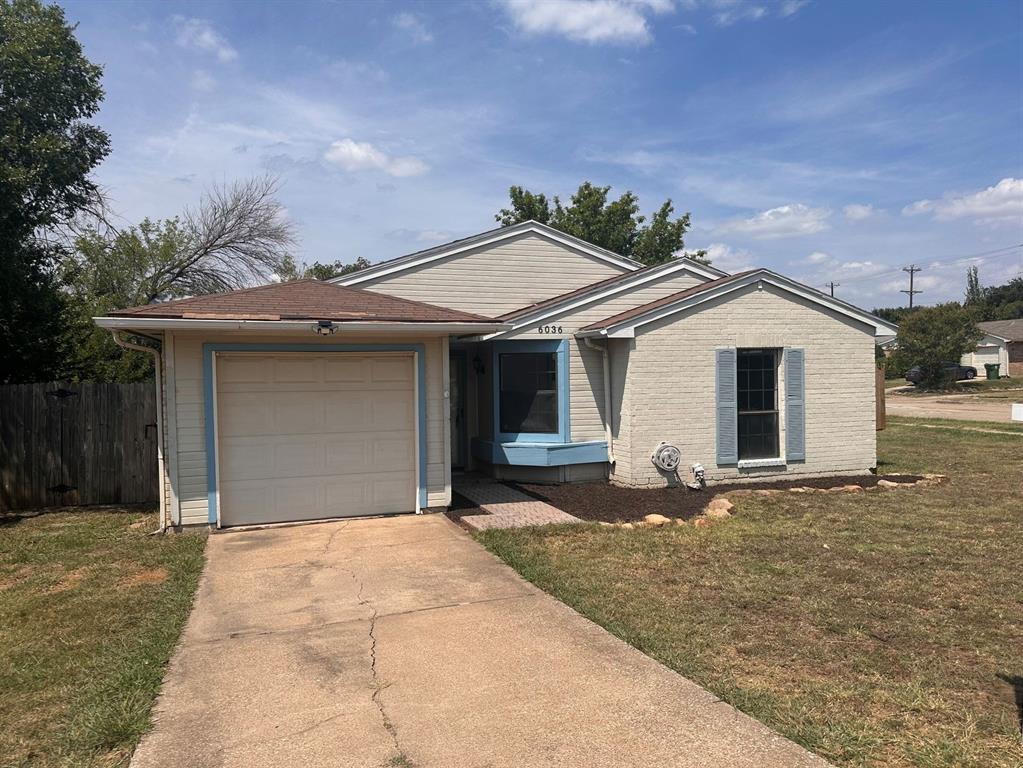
656 519
680 521
767 492
801 489
606 524
722 504
852 488
719 513
701 521
887 484
627 526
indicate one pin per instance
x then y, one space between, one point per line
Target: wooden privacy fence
64 444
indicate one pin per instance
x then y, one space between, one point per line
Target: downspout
608 436
162 473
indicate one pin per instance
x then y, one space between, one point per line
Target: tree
616 225
1004 302
932 336
237 236
48 92
974 291
328 271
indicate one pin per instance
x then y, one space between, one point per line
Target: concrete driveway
401 642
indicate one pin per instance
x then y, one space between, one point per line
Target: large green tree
616 225
932 336
48 92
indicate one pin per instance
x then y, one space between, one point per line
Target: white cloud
199 34
784 221
858 212
353 156
414 26
818 257
791 7
203 81
587 21
729 259
733 11
998 204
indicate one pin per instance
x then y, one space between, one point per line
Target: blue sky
827 140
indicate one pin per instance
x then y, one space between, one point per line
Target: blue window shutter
727 407
795 405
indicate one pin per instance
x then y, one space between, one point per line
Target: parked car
954 372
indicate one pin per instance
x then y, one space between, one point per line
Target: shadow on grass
1016 681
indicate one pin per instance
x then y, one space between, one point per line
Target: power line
912 269
832 285
946 262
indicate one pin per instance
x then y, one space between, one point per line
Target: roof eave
291 326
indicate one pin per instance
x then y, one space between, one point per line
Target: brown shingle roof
302 300
644 308
1011 330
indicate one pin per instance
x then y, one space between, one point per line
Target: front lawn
90 609
981 387
880 628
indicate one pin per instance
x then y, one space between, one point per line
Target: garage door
306 437
985 355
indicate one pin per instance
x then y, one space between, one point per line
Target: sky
829 141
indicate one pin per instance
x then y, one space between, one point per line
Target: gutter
608 435
162 473
173 323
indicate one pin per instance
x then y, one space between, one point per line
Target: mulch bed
611 503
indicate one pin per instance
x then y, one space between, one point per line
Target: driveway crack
378 686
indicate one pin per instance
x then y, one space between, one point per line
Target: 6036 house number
549 329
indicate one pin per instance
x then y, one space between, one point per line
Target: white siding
989 350
669 392
188 414
494 279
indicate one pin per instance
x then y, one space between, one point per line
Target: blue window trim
560 347
540 454
208 350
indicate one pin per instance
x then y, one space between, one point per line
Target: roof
1010 330
643 309
624 280
302 300
624 323
408 261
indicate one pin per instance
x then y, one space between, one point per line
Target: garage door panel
340 444
391 410
355 370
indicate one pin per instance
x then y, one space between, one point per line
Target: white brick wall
669 392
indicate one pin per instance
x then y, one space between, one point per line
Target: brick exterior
668 391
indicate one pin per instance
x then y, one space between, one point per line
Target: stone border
720 506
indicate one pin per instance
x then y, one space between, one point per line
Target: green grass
90 610
877 629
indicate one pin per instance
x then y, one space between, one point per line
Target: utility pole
833 285
912 269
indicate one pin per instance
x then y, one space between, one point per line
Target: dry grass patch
90 609
876 629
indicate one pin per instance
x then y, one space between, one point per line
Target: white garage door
305 437
985 355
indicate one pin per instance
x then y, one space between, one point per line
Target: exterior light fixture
325 328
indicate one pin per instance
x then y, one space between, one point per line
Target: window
528 392
757 387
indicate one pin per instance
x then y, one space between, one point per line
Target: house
1002 343
521 352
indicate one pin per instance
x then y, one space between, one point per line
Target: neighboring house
523 353
1002 343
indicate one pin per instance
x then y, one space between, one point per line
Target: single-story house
1002 343
523 353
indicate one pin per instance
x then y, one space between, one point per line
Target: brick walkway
507 507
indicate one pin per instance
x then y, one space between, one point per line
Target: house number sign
550 329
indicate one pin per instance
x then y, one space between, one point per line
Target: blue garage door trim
208 350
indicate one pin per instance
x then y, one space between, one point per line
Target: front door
456 388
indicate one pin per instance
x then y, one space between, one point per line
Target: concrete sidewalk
401 642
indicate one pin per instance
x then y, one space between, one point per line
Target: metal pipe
608 433
162 469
